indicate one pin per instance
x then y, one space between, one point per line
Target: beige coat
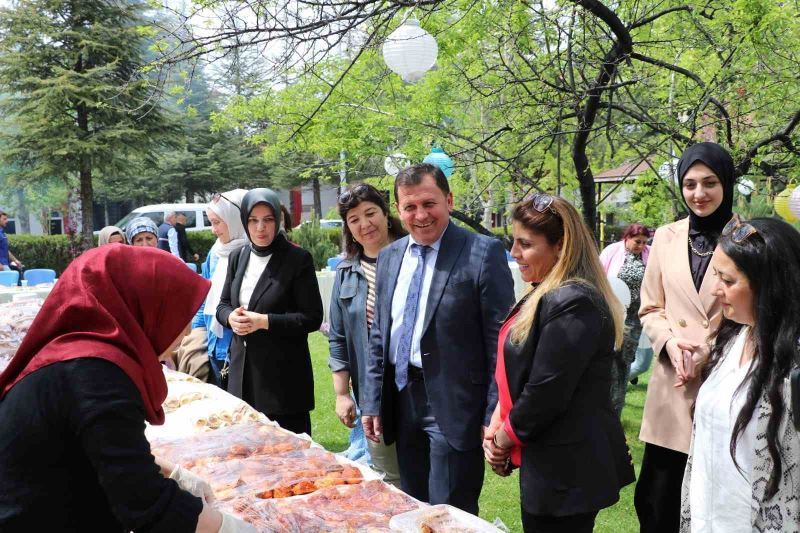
672 307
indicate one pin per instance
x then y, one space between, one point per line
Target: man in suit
442 294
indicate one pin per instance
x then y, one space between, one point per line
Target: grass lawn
500 496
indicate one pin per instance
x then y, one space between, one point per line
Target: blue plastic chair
9 278
193 266
334 261
37 276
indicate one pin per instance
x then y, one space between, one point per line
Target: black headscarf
252 199
704 231
720 161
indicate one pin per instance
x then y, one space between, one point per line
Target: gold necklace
699 254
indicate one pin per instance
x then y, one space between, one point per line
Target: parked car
196 219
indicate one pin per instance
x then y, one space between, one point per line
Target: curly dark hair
352 197
770 259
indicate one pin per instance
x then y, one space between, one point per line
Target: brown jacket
672 307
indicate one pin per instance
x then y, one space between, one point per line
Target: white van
196 219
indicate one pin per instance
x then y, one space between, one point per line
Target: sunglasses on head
219 195
542 202
738 230
348 195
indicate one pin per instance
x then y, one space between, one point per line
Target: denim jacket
348 336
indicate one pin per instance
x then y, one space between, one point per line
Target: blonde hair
578 262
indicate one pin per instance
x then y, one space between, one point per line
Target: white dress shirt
407 269
255 267
720 495
172 239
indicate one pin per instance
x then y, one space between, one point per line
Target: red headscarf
120 303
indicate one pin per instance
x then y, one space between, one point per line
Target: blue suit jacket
471 292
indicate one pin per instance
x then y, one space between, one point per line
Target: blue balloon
440 159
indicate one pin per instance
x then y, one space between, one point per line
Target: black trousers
658 493
430 469
579 523
298 423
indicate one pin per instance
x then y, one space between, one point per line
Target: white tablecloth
7 294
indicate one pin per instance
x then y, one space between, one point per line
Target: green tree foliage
319 242
542 95
79 101
652 203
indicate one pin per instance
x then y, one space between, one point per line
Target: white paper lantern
394 163
621 291
745 187
410 51
794 202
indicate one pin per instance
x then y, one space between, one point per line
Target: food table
275 479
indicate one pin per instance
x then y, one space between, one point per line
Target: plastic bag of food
367 506
15 320
278 476
440 519
235 442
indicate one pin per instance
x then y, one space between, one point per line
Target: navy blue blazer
471 293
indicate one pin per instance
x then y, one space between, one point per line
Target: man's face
425 210
3 221
181 219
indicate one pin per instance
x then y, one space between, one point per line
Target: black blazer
470 293
271 369
574 456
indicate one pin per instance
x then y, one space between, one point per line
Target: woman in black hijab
271 301
679 312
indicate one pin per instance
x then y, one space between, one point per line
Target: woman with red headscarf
74 399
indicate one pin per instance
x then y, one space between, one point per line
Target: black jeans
658 493
578 523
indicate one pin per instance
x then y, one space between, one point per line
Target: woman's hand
346 409
495 451
687 358
245 322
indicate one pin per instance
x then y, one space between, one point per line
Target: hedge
52 251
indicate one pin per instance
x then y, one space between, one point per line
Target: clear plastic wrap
235 442
214 410
366 507
440 519
15 320
183 393
278 476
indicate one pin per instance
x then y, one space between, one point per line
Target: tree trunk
317 197
86 223
23 215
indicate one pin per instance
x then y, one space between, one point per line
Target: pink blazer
672 307
613 256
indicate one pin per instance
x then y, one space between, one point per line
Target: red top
504 395
120 303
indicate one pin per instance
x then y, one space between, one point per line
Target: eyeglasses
219 195
542 202
348 195
738 230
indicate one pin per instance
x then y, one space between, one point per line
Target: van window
190 218
155 216
206 222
